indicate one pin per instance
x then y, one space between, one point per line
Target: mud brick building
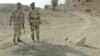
83 5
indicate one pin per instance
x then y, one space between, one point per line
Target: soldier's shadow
45 49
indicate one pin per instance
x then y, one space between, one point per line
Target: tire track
80 29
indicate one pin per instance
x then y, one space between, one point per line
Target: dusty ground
55 28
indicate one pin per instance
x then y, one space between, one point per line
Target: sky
39 3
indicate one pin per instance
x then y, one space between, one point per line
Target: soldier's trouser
35 28
17 32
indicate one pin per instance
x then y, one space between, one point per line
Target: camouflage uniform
17 17
34 21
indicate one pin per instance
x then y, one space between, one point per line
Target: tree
46 6
54 4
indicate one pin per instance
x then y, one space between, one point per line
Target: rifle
23 28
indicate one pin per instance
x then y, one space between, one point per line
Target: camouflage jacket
34 17
17 16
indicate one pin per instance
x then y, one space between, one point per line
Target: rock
66 39
81 42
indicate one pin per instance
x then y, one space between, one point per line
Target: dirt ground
55 27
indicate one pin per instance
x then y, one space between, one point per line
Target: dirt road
53 35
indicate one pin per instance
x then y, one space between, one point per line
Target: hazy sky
39 3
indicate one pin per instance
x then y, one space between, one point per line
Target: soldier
34 21
17 18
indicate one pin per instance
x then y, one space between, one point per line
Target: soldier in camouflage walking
17 18
34 21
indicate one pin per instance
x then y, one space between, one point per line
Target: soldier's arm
29 17
12 15
23 18
23 21
39 16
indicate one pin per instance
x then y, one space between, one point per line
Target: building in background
83 5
